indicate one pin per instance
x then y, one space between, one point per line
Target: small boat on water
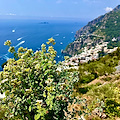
61 43
13 31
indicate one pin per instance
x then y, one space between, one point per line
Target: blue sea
32 33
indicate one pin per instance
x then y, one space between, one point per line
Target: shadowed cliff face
103 28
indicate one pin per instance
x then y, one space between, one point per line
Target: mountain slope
104 28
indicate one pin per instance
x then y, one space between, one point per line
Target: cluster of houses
89 54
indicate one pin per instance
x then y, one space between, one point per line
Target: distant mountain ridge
104 28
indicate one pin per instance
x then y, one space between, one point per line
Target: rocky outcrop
72 48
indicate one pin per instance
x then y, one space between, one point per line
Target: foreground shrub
34 87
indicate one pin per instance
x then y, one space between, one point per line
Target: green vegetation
103 66
112 44
99 84
109 26
34 88
109 93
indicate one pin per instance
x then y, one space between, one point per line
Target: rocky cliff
104 28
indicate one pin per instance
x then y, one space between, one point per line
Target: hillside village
89 54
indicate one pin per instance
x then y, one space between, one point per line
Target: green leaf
16 113
29 108
37 116
29 101
44 95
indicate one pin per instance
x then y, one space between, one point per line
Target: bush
112 108
102 66
34 87
3 110
109 94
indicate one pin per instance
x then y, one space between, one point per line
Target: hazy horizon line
42 17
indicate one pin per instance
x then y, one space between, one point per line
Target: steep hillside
99 84
104 28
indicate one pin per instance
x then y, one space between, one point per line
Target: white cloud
11 14
59 1
108 9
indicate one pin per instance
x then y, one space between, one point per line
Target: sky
81 9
